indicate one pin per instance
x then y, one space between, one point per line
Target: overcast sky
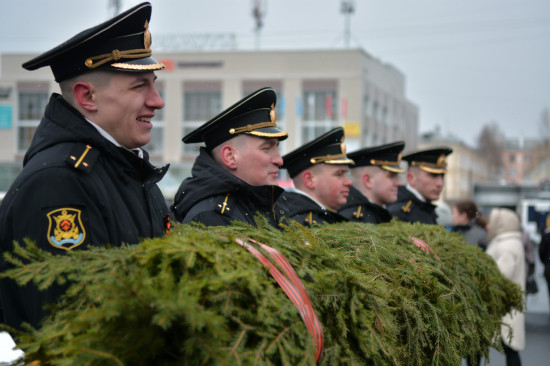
466 62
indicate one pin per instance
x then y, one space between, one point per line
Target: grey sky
467 62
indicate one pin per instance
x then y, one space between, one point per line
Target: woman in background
469 223
506 248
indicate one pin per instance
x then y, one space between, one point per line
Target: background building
519 158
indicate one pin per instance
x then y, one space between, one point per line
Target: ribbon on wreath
292 287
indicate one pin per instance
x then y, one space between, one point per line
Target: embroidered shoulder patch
65 229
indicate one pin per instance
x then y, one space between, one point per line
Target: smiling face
126 105
257 160
331 185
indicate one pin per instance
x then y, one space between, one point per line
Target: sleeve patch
65 228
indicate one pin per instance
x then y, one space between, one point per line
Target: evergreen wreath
388 294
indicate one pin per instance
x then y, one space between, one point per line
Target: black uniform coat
215 197
76 190
409 208
360 209
305 211
544 255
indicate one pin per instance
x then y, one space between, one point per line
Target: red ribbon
424 246
294 289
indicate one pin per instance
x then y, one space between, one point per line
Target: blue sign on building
5 117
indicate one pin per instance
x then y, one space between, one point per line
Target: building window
366 106
385 115
511 158
366 138
375 110
527 159
201 102
319 106
155 145
32 100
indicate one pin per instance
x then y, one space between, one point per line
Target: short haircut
238 142
357 173
99 78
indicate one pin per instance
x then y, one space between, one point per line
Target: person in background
529 249
506 248
544 255
444 215
86 181
468 222
235 175
319 171
425 179
375 177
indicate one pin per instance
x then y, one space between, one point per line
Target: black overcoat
215 197
409 208
305 211
358 208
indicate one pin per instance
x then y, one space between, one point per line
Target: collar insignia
407 207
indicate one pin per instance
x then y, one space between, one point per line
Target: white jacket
506 248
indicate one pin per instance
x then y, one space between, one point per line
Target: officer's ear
308 179
366 178
411 177
228 157
84 95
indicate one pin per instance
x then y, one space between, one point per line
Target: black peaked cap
431 160
387 157
328 148
253 115
122 43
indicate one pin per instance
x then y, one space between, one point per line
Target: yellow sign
352 129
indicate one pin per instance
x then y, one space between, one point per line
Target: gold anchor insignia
407 207
224 206
342 145
147 37
441 160
358 213
272 113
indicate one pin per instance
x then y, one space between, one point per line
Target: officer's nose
277 159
